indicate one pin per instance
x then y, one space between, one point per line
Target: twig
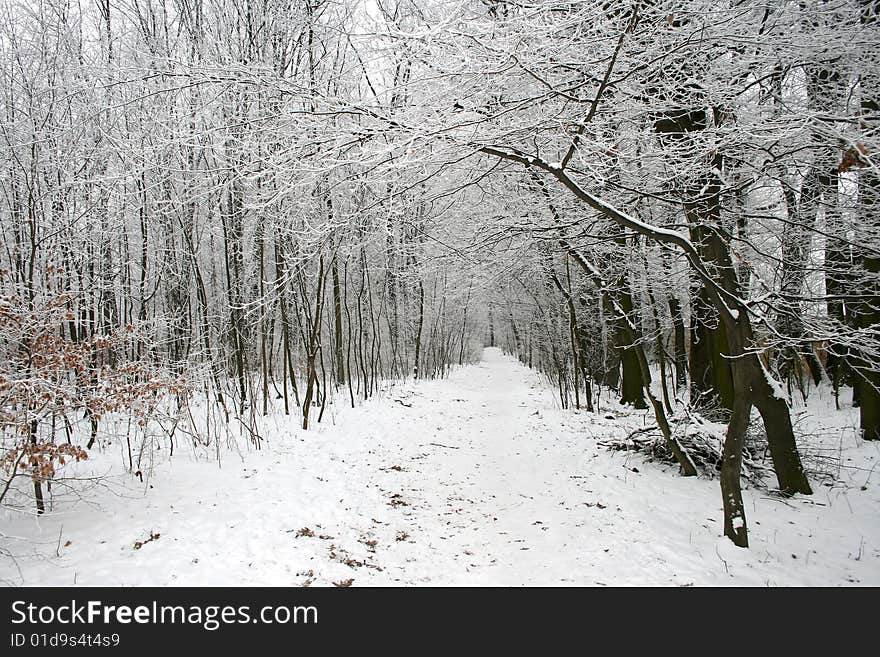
646 429
446 446
722 560
12 476
868 478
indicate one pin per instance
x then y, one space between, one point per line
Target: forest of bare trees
272 206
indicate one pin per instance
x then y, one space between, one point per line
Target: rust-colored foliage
46 374
855 157
40 458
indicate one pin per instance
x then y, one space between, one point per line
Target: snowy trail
476 479
491 490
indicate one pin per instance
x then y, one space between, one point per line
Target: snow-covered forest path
495 481
475 479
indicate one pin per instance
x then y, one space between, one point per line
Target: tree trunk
868 367
421 323
731 464
680 353
337 324
38 487
313 345
633 384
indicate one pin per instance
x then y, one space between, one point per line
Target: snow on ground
478 479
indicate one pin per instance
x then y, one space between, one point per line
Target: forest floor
476 479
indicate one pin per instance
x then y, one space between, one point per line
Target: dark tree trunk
839 284
702 384
313 345
491 329
421 323
680 353
867 376
633 386
38 487
710 374
868 369
632 390
775 413
735 527
337 325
